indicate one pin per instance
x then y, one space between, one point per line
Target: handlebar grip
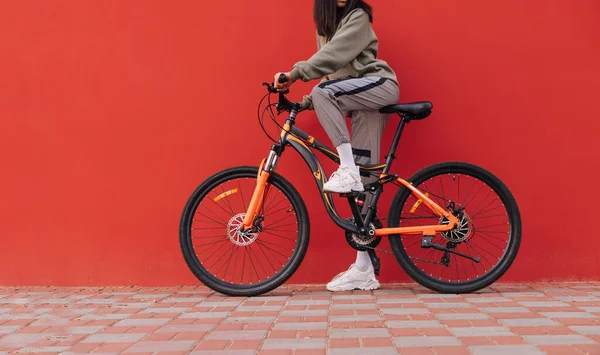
282 78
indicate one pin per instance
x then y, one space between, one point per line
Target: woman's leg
367 131
330 100
363 98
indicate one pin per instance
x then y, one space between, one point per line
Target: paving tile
158 310
182 328
449 305
305 313
504 309
142 322
481 331
488 299
405 311
558 339
85 329
414 324
243 334
155 346
308 302
44 349
359 333
459 316
352 297
529 322
354 306
586 329
556 315
223 352
25 339
204 315
6 329
114 338
363 351
300 325
249 320
315 343
356 318
426 341
505 350
398 300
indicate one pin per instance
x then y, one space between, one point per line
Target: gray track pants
362 98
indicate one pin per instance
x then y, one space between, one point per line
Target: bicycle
244 221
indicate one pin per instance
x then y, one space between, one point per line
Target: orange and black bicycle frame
302 142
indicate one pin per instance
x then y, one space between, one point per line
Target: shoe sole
342 192
363 286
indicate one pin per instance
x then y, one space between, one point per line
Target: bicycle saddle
419 110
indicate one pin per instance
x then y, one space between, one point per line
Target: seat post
392 154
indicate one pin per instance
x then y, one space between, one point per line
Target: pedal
374 261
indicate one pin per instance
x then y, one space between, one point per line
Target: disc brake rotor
234 233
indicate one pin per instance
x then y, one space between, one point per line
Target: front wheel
238 263
490 228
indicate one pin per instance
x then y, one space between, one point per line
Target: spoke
209 236
485 198
277 235
442 185
226 198
275 205
211 243
495 215
270 202
483 256
491 236
458 182
281 209
201 221
482 249
282 225
469 192
229 260
269 248
277 245
259 263
201 229
218 205
455 257
212 254
473 198
242 195
267 257
250 253
482 211
219 222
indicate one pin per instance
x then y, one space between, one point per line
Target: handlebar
283 104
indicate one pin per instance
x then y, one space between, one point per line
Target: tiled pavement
407 319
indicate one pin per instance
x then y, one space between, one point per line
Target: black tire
283 274
511 211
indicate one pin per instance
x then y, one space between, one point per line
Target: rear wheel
490 228
239 263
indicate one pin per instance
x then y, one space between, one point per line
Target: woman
355 81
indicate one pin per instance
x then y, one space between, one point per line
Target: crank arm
427 242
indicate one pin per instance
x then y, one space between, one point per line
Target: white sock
346 156
362 260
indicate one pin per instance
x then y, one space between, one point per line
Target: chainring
363 243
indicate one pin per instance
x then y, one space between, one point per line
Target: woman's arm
348 42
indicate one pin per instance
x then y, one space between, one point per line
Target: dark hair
328 15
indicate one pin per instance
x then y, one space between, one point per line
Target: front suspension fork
267 166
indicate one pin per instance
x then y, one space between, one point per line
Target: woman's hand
282 86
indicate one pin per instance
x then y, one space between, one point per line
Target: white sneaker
344 180
354 279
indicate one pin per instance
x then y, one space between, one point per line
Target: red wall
112 112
